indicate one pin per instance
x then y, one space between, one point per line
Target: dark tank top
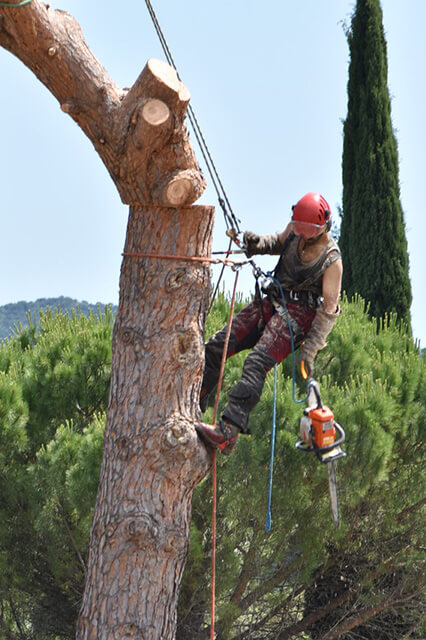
295 275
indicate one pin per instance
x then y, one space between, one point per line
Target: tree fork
142 150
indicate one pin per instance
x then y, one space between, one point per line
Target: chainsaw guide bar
319 430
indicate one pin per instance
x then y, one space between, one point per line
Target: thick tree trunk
152 458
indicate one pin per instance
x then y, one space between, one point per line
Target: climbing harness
283 312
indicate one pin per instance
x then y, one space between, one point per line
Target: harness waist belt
306 298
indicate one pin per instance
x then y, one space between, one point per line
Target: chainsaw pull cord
214 474
268 521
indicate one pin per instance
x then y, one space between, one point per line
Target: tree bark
356 620
152 459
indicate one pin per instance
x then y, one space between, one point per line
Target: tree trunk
152 458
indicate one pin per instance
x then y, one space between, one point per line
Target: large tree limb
139 133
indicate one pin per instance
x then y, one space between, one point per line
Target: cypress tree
372 239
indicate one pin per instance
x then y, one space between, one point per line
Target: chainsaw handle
313 384
304 370
341 433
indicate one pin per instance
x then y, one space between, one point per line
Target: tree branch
279 576
139 134
414 507
22 635
245 572
314 616
51 44
282 605
69 532
354 621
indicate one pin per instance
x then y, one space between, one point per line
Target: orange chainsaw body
319 431
323 430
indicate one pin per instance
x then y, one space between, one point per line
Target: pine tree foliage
54 379
267 583
372 238
53 394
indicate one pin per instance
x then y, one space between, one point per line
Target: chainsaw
322 435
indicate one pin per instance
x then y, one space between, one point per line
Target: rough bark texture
152 458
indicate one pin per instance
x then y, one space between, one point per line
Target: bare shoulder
331 285
335 268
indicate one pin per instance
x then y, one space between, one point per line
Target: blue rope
268 522
290 328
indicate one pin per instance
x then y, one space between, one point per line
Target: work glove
315 339
255 244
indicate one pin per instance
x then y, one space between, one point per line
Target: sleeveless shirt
295 275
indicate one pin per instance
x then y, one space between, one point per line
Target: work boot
222 436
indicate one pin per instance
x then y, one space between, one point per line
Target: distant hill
14 313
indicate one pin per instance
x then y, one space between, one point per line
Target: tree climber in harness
309 271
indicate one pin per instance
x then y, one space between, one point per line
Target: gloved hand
315 340
261 244
251 241
307 368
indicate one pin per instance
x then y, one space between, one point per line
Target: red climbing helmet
311 216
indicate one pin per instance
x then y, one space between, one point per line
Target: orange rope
226 261
214 508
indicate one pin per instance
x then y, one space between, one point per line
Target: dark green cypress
373 241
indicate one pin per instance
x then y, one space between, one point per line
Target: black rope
231 221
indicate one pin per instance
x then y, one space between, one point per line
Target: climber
309 271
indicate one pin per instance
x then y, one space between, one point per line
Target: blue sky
268 84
